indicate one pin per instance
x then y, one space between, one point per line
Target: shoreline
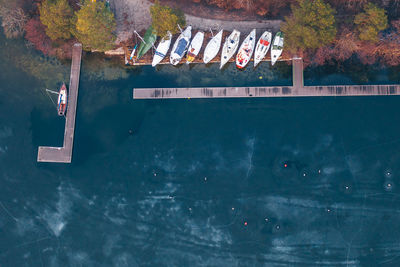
147 58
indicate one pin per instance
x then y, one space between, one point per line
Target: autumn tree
370 22
36 35
56 15
95 26
311 25
166 19
13 20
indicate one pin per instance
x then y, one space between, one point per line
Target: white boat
262 47
180 47
246 50
212 47
162 49
230 46
62 100
194 47
277 47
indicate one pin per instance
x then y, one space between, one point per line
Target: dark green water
199 182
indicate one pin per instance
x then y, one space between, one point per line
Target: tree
166 19
311 25
13 21
56 15
36 35
95 26
370 23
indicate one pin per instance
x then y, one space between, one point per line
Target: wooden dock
296 90
64 154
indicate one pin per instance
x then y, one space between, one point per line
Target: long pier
64 154
296 90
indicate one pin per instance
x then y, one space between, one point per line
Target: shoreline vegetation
322 32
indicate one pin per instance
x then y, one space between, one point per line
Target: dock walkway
296 90
64 154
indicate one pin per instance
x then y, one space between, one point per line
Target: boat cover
180 49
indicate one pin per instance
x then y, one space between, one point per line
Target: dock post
297 69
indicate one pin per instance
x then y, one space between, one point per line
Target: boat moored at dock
213 47
148 41
246 50
262 47
181 45
162 49
195 47
277 47
62 100
230 47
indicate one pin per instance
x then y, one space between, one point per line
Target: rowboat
149 39
262 47
213 47
229 48
162 49
194 47
246 50
62 100
180 46
277 47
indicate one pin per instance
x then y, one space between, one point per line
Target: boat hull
150 38
262 47
213 47
180 47
277 47
246 50
162 49
195 47
230 47
62 100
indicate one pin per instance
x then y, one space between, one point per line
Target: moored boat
162 49
194 47
246 50
262 47
213 47
277 47
180 46
230 46
62 100
149 38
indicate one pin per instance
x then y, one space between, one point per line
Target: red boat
62 100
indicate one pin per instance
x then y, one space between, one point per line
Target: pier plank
296 90
64 154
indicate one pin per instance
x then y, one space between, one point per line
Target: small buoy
260 77
233 208
245 223
319 171
130 131
205 178
285 165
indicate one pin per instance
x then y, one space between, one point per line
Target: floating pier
296 90
64 154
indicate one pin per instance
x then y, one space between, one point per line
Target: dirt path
130 15
242 26
135 14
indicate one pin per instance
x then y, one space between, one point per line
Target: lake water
205 182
